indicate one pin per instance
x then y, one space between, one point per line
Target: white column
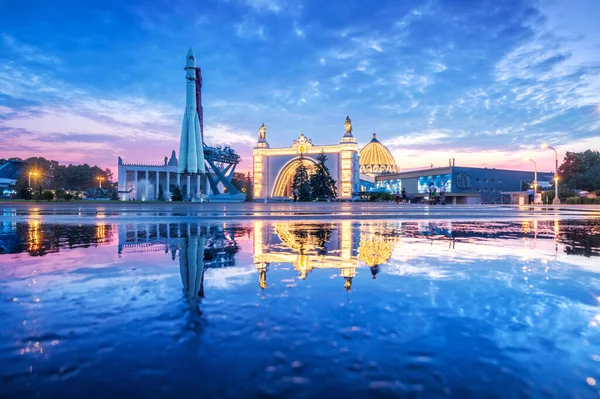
135 188
147 184
179 181
188 188
157 184
198 185
168 184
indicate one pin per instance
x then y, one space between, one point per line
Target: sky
485 82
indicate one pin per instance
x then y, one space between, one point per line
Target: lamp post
535 184
556 200
31 174
100 178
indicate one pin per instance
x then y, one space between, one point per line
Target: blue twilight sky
485 82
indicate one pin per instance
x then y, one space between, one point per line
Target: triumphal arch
274 168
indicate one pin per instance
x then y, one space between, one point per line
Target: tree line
52 175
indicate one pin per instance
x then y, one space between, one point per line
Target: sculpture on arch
348 125
262 133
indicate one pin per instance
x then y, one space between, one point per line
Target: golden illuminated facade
376 159
274 168
312 246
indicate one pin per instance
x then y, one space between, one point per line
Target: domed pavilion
376 159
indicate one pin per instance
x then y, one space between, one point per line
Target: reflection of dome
375 158
375 252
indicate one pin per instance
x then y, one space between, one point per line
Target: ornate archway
285 177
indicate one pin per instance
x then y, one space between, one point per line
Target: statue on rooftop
262 133
348 125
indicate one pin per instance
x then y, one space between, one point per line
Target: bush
60 194
590 201
48 195
573 200
379 196
67 196
25 193
177 196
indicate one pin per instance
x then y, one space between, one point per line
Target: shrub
60 194
67 196
177 196
48 195
573 200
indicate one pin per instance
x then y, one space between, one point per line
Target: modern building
464 185
9 173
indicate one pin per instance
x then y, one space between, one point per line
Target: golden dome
375 158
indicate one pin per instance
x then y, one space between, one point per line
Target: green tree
25 193
60 194
321 182
301 183
176 196
580 170
48 195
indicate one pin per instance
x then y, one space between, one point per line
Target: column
188 190
147 184
198 185
168 186
135 188
157 184
179 181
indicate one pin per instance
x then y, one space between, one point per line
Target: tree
301 183
321 182
48 195
177 196
161 194
25 193
580 170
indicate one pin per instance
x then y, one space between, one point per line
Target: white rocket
191 153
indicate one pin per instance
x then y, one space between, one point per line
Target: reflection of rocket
191 265
191 152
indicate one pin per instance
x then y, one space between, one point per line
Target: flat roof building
464 185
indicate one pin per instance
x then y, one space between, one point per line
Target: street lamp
32 173
100 178
556 200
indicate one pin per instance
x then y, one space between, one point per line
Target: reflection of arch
285 176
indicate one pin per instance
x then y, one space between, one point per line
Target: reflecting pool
344 308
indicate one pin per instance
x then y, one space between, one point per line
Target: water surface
346 308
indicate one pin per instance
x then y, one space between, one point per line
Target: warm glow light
544 145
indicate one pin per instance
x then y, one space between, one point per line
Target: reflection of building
463 185
310 246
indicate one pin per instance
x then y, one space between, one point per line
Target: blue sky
485 82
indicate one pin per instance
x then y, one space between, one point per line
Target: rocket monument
191 151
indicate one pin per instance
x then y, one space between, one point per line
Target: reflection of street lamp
33 173
534 174
100 178
556 200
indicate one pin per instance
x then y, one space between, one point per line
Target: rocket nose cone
190 59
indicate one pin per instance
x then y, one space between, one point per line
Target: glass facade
439 180
395 185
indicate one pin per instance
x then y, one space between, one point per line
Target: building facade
274 168
464 185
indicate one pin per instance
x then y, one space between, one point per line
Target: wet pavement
435 303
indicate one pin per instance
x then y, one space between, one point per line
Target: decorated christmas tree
321 183
301 183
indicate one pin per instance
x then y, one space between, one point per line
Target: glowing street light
32 173
100 178
556 200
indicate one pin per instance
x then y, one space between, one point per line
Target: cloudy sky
485 82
